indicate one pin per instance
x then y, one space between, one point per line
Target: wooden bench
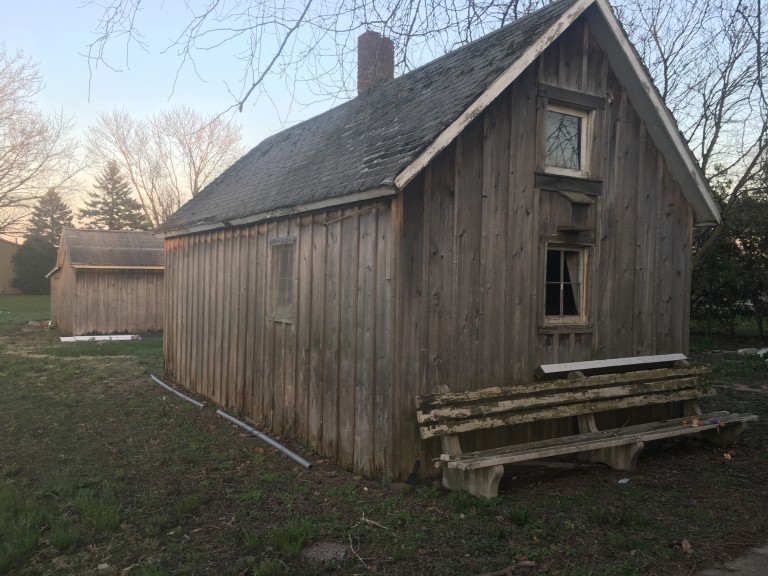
589 388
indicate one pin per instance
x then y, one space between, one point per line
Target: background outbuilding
108 282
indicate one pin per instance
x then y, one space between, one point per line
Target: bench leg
619 457
483 482
724 436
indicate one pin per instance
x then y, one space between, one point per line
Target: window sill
548 179
571 328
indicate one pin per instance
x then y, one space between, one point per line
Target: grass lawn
104 472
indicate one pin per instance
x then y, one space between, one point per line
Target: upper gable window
566 143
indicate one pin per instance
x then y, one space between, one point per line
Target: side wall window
282 269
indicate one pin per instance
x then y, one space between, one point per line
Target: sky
55 35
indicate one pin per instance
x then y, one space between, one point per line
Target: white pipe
274 443
104 338
179 394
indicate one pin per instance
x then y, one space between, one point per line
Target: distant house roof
373 145
113 249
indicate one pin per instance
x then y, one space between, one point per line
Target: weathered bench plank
610 366
428 401
456 413
590 441
547 398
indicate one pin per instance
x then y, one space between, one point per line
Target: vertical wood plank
496 153
348 278
251 356
331 337
317 330
439 205
467 242
303 326
384 343
366 330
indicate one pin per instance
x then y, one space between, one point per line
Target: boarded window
565 289
565 145
283 280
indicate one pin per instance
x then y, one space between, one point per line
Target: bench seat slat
553 412
589 441
527 402
430 401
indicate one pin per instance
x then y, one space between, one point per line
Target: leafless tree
708 60
309 42
36 152
168 158
707 57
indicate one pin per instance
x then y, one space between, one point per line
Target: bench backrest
457 412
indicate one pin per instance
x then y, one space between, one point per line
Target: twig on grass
351 547
364 520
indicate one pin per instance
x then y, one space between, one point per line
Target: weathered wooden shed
524 199
108 282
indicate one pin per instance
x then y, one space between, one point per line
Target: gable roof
373 145
112 249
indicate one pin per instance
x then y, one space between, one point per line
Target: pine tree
35 258
50 217
31 262
111 207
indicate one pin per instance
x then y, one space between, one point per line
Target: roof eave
494 91
631 72
384 191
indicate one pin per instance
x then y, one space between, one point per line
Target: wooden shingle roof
374 144
113 249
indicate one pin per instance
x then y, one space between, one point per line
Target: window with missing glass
565 285
565 148
283 255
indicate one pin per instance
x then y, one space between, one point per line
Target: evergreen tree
111 207
31 262
37 256
50 217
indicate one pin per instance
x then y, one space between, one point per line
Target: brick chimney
375 61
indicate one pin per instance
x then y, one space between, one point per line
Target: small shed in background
7 250
108 281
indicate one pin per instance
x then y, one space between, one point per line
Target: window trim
581 319
285 313
585 140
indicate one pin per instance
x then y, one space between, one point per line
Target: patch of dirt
324 553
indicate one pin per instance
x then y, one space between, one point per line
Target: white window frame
282 311
583 282
585 140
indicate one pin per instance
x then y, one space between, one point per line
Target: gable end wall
473 245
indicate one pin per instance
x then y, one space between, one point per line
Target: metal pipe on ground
261 436
179 394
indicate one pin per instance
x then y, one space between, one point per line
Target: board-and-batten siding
325 377
118 301
441 287
100 301
471 246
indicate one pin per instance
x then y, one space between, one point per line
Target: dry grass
101 466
